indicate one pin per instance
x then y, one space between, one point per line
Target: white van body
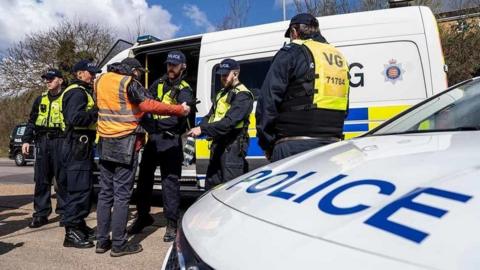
395 60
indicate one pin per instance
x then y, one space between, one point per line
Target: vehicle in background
15 146
395 60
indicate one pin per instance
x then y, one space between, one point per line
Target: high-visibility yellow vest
117 116
90 104
169 97
222 104
331 83
51 115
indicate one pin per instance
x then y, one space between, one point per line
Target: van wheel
20 159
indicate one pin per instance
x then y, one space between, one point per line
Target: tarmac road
25 248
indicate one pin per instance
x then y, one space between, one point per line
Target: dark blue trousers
170 161
116 185
289 148
48 164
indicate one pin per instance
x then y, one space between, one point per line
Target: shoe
89 232
140 223
103 247
171 231
125 250
76 238
38 222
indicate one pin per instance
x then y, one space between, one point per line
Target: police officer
304 98
45 125
121 102
77 151
164 147
226 125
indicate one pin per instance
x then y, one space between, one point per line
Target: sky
161 18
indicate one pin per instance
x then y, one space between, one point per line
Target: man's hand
186 109
25 148
195 132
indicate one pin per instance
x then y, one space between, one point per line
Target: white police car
406 196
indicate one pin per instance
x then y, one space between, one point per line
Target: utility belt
50 134
239 136
304 138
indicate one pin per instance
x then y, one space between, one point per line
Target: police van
406 196
395 60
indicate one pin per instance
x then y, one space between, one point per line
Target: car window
20 131
252 75
456 109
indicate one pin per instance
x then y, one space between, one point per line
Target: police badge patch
393 71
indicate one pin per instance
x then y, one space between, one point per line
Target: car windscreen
455 110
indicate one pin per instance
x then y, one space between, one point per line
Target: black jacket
31 129
74 105
289 65
240 108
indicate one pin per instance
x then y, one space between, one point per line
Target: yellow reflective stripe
385 112
122 97
118 118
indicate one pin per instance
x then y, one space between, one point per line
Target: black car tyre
20 159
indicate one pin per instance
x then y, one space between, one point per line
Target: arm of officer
30 128
28 135
270 96
74 109
240 109
139 95
185 95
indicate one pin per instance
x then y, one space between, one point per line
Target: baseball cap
175 57
227 65
301 18
133 63
52 73
86 65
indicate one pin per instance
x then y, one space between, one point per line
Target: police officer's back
226 125
304 98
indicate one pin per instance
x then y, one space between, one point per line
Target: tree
236 16
324 7
460 48
59 47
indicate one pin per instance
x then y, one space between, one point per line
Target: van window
252 74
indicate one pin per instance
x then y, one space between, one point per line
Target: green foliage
460 48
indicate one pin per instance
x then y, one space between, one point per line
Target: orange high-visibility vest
117 116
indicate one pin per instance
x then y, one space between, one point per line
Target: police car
405 196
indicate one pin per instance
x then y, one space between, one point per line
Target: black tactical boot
38 222
171 231
103 247
126 249
75 237
140 223
89 232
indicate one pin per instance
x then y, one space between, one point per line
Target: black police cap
176 58
302 18
86 65
52 73
227 65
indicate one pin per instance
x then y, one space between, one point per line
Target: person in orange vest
121 102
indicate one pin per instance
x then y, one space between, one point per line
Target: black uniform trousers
289 148
170 161
227 161
48 164
116 186
78 166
